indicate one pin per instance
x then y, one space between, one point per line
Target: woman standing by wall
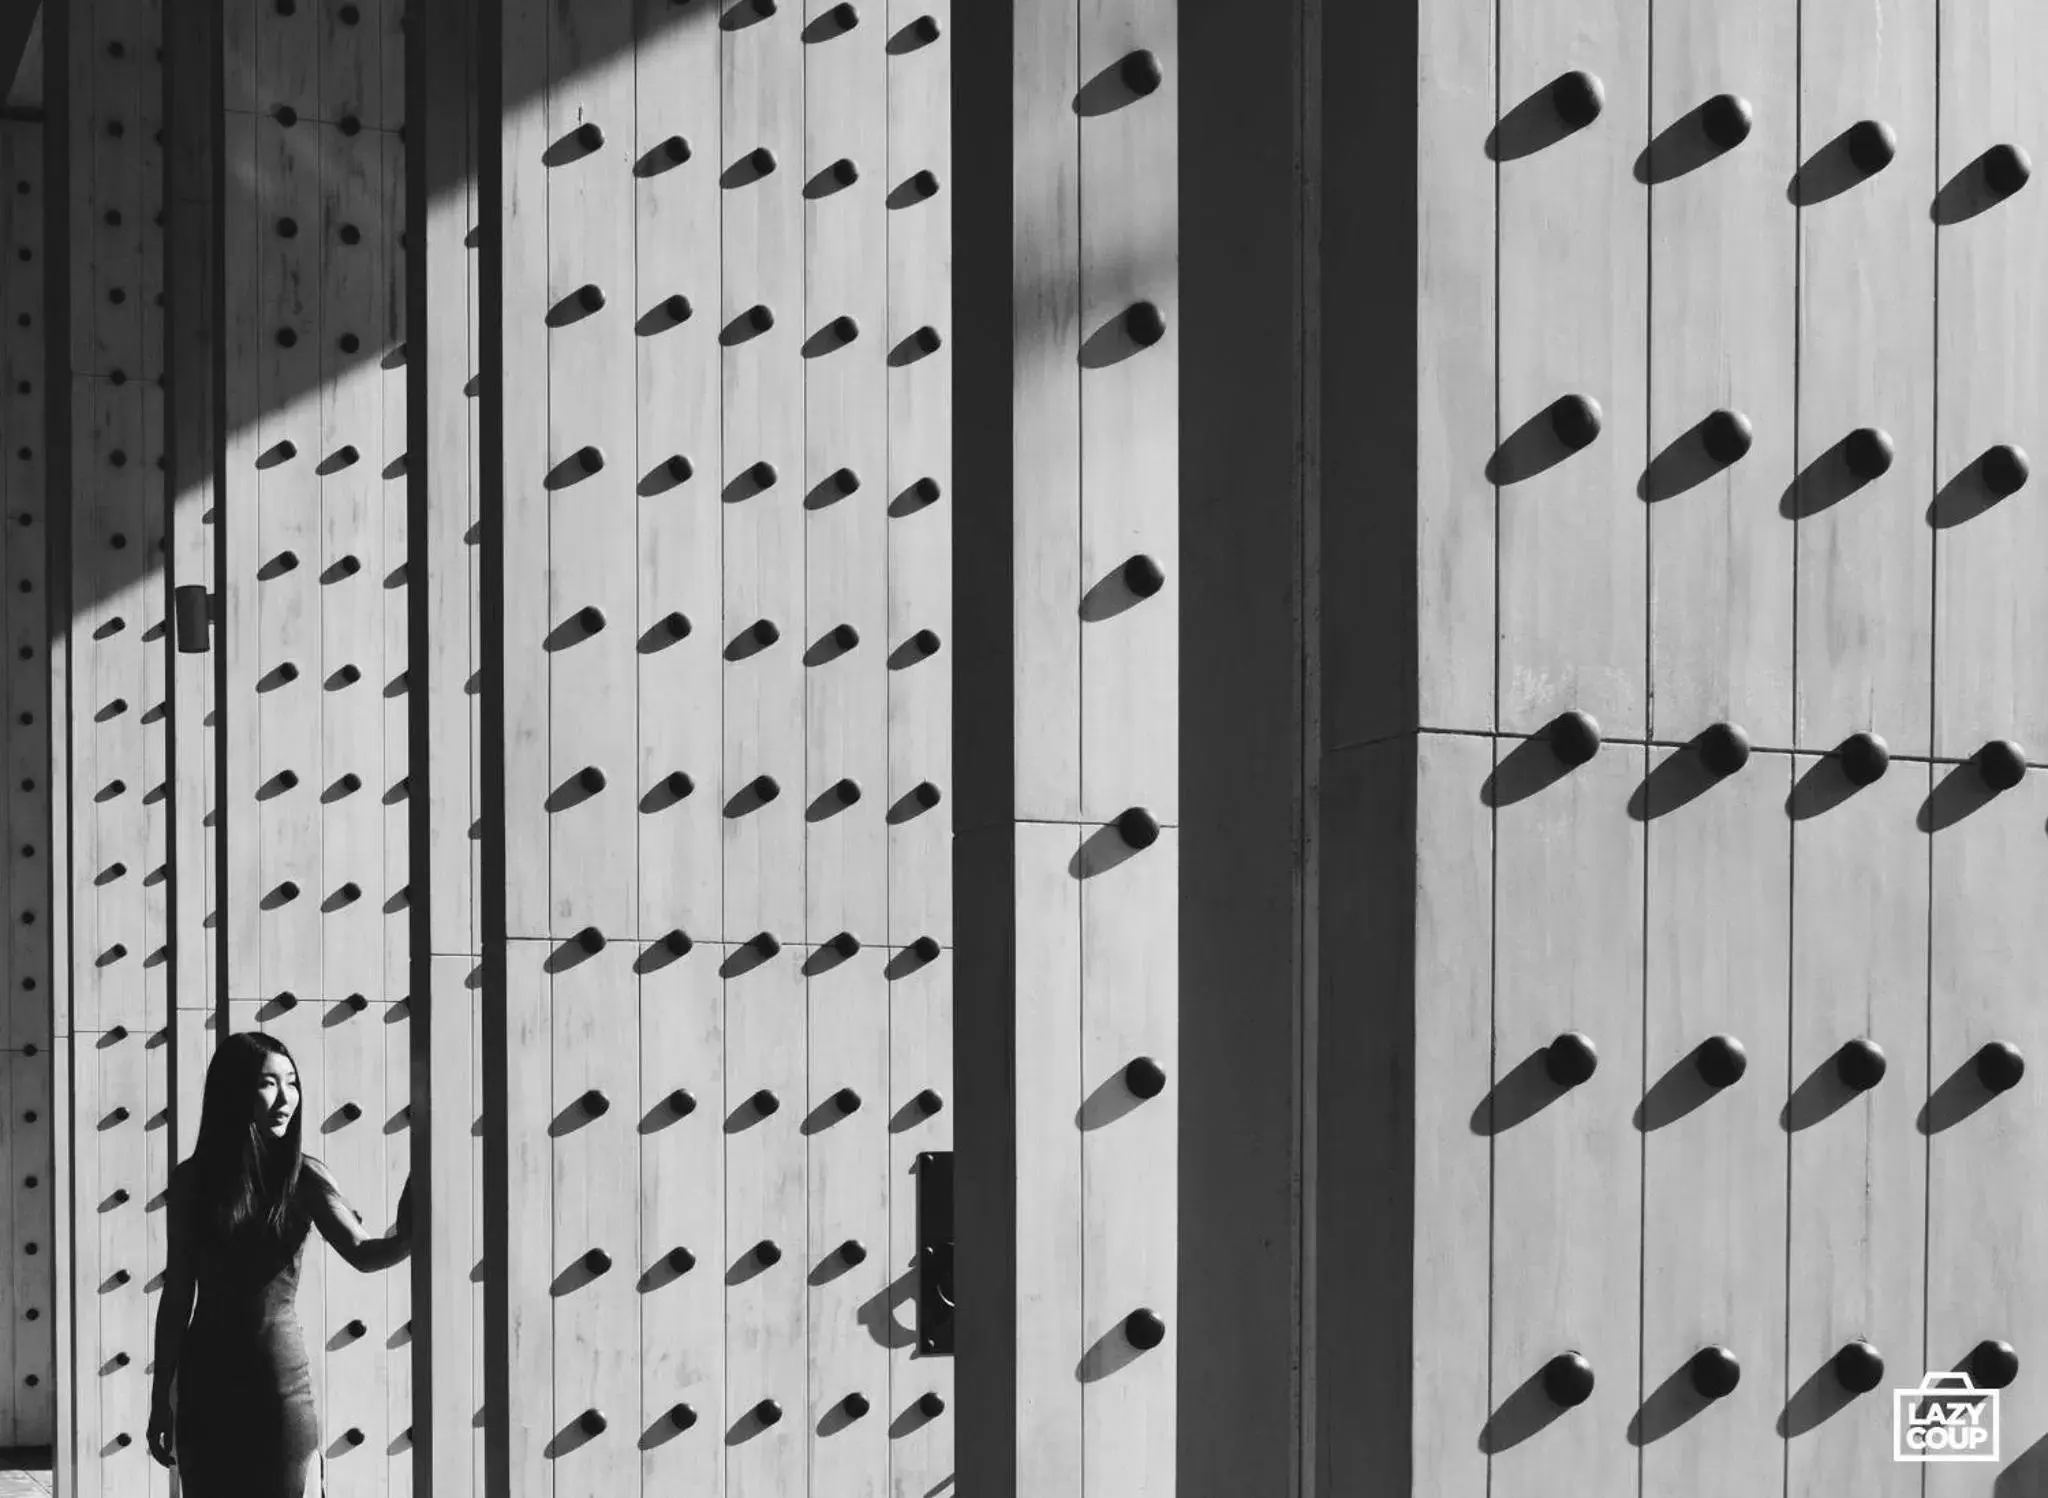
244 1423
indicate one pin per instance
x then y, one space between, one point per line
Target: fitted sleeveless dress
246 1422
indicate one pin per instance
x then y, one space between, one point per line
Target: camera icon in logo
1947 1419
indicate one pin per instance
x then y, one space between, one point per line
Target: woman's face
277 1095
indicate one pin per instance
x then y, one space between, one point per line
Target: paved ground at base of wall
24 1474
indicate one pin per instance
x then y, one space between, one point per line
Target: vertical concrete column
1068 746
107 88
28 1258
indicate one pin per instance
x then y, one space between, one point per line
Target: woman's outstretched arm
341 1225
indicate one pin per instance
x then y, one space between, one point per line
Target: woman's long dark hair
248 1181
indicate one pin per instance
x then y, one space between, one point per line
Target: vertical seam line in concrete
1080 512
1933 744
1649 700
1493 818
1308 595
893 1190
639 905
1793 725
803 607
547 875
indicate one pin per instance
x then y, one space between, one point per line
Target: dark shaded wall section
984 748
1244 900
1365 655
1242 179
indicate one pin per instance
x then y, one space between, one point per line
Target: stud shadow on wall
1566 105
348 1336
574 952
665 157
584 141
1131 332
1709 1374
1534 1083
575 629
1567 425
914 802
752 796
585 301
1997 1067
828 180
831 645
760 1417
588 1108
926 1408
1541 760
836 22
1685 774
1824 1393
842 1105
843 1260
833 336
1858 761
1857 459
921 953
1524 1413
1850 159
1714 1065
916 188
755 478
745 13
919 33
840 484
579 1432
746 170
915 497
919 344
671 473
670 312
747 956
1126 1342
926 1104
584 463
1714 444
1129 1088
1131 584
581 1271
343 1011
828 955
660 953
1856 1067
1700 135
749 325
919 647
1999 473
755 1262
1123 83
1986 182
671 790
577 789
1972 785
1107 846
